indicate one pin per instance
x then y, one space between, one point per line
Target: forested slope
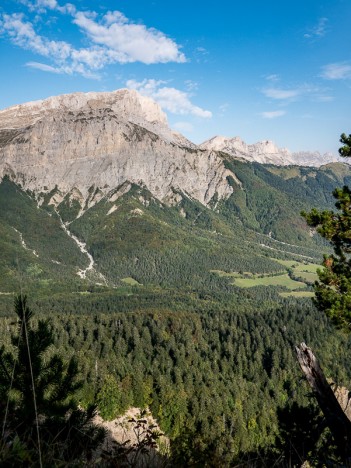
168 322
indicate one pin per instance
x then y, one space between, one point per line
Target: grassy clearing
310 267
224 274
298 266
297 294
281 280
306 271
245 274
308 277
130 282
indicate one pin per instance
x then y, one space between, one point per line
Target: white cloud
67 59
22 34
288 95
112 39
317 31
41 6
44 67
273 114
127 41
170 99
336 71
282 94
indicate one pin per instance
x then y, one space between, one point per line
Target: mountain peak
100 140
127 103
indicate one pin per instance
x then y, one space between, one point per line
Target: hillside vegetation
194 311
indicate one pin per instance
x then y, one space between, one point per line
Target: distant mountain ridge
266 152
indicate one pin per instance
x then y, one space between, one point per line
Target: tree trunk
338 422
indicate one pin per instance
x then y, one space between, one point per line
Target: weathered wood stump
336 418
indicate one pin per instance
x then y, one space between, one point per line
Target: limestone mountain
86 144
103 140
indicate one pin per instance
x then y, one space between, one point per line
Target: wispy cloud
323 98
282 94
184 127
191 85
66 58
273 114
170 99
126 41
273 78
286 95
336 71
223 109
112 38
201 50
201 55
44 67
317 31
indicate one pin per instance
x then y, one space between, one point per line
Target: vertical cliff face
102 140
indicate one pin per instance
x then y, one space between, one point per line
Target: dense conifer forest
221 383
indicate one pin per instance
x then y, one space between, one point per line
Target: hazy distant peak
267 152
263 152
315 158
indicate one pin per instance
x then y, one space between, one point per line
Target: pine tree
333 290
333 296
38 388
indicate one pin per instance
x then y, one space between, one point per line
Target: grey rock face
104 139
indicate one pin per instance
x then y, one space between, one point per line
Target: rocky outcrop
104 139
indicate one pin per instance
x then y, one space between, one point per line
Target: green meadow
282 281
295 275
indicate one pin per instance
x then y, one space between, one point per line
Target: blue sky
276 70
